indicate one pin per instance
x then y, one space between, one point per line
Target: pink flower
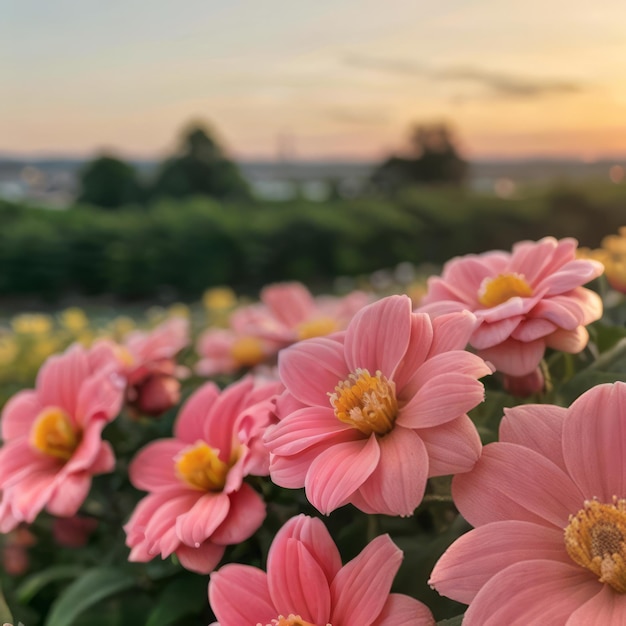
525 301
549 505
52 435
149 365
225 351
199 503
298 315
371 413
287 313
306 585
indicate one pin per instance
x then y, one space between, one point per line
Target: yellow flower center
316 328
366 402
247 351
201 467
494 291
54 434
290 620
596 539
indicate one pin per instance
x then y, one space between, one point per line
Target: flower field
404 451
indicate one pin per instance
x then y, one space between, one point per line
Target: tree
110 183
433 160
200 167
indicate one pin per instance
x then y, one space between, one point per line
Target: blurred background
150 150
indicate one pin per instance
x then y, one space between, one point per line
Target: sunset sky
313 78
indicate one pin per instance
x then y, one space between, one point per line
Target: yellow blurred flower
32 323
612 255
179 310
121 326
219 299
9 349
74 319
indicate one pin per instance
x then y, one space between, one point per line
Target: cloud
350 116
497 84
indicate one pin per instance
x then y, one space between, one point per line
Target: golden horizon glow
340 79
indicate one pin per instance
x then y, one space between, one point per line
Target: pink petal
452 447
546 592
160 529
378 335
536 259
311 369
470 562
419 347
532 329
18 460
291 303
189 426
18 415
104 461
88 450
307 427
246 514
572 275
221 420
360 589
68 496
513 482
606 607
339 471
201 560
317 540
594 441
590 302
100 397
536 426
492 333
396 486
572 341
239 594
60 378
442 399
515 306
197 524
565 311
401 610
296 581
152 468
31 494
291 471
515 358
457 361
452 332
467 273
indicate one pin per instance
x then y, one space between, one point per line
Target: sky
313 79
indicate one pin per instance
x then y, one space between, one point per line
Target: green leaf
453 621
95 585
5 613
33 584
181 597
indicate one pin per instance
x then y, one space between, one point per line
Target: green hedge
180 248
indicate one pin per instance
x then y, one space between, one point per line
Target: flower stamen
368 403
495 291
200 467
595 538
54 434
290 620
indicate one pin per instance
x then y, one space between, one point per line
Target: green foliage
434 160
109 183
200 168
181 247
